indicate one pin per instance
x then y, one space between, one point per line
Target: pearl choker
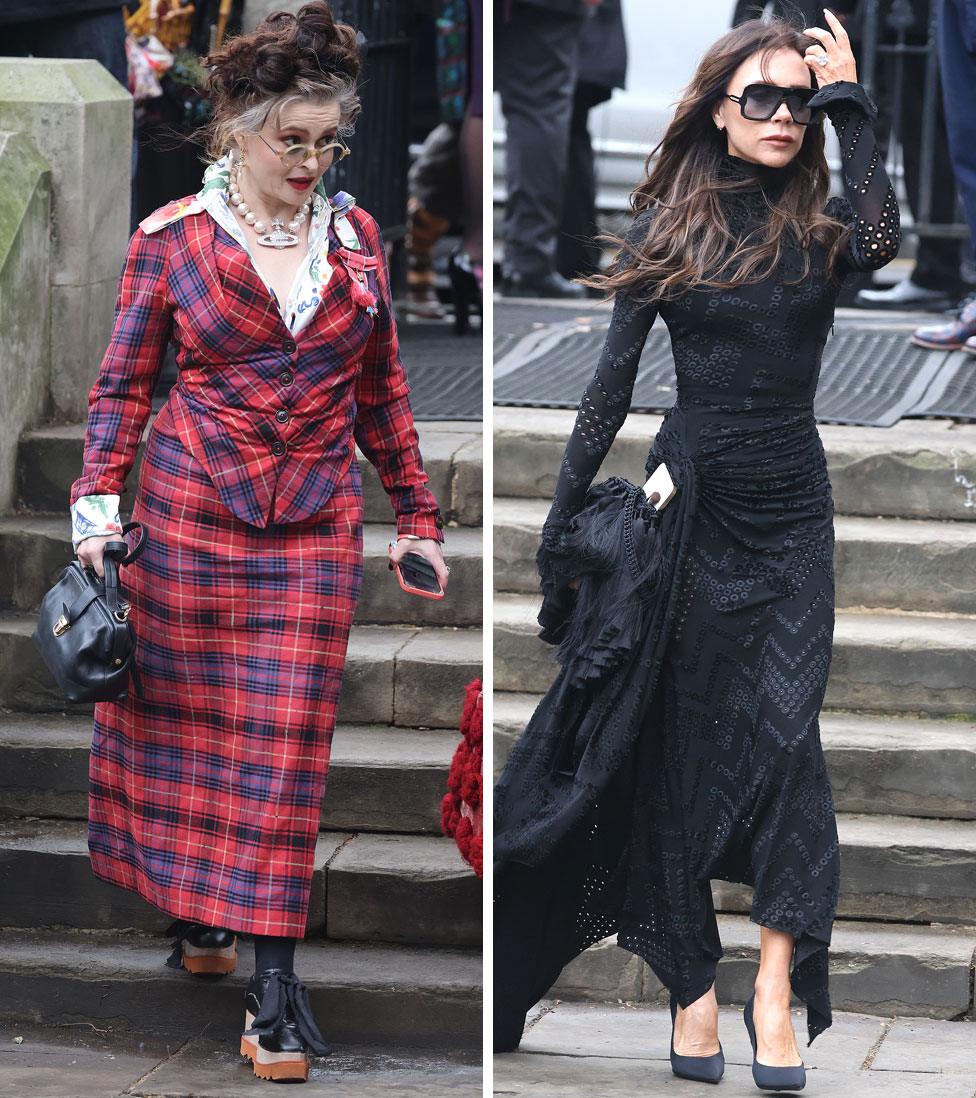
277 237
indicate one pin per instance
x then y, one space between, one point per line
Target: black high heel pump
700 1069
466 277
765 1076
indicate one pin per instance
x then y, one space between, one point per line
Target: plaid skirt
205 794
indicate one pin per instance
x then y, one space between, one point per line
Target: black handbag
83 631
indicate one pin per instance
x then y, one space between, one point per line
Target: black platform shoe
279 1030
202 950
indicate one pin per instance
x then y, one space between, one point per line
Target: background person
536 69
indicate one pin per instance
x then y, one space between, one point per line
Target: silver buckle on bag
62 625
123 613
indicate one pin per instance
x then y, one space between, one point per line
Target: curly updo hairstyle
304 56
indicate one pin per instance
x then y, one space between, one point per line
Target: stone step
35 548
875 968
394 675
377 888
381 778
391 995
917 469
877 764
909 564
49 460
895 868
882 662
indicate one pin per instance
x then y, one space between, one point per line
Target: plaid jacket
270 417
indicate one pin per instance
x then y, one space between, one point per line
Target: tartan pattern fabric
270 416
205 794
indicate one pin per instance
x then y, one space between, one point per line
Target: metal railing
902 35
376 173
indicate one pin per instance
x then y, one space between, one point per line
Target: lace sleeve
869 205
605 402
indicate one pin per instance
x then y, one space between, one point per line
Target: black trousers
937 259
577 252
536 64
957 57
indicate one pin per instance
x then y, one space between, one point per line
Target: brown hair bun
307 54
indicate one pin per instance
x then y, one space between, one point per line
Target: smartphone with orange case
416 575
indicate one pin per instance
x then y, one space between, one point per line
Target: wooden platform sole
210 962
280 1067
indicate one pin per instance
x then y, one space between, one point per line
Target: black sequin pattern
696 756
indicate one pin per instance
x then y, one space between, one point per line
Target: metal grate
872 378
868 377
515 319
953 392
444 372
560 362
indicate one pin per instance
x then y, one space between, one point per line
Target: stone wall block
25 202
81 326
80 119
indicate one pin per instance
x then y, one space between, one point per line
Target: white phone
659 483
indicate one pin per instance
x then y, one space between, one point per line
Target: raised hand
833 59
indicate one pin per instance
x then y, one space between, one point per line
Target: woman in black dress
680 741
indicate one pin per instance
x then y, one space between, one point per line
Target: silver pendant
278 237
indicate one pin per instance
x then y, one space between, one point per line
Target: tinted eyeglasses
293 155
759 102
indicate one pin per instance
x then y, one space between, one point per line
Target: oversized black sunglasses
759 102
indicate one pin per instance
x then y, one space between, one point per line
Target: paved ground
622 1052
83 1062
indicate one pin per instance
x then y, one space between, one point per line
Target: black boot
551 285
202 950
279 1030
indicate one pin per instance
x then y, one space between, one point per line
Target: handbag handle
115 554
120 552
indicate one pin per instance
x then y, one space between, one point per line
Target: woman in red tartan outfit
206 792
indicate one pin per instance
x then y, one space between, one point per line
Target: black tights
272 952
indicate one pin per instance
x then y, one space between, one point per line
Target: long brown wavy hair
688 234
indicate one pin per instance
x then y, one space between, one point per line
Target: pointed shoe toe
699 1069
767 1076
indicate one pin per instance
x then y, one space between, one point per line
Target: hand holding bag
83 631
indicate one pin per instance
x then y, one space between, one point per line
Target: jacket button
277 447
289 346
282 415
286 378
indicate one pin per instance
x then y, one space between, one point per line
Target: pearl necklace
277 237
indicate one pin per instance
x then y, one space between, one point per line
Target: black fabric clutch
83 631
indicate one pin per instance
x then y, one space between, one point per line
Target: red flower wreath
461 808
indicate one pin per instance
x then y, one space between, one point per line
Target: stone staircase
898 726
392 953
